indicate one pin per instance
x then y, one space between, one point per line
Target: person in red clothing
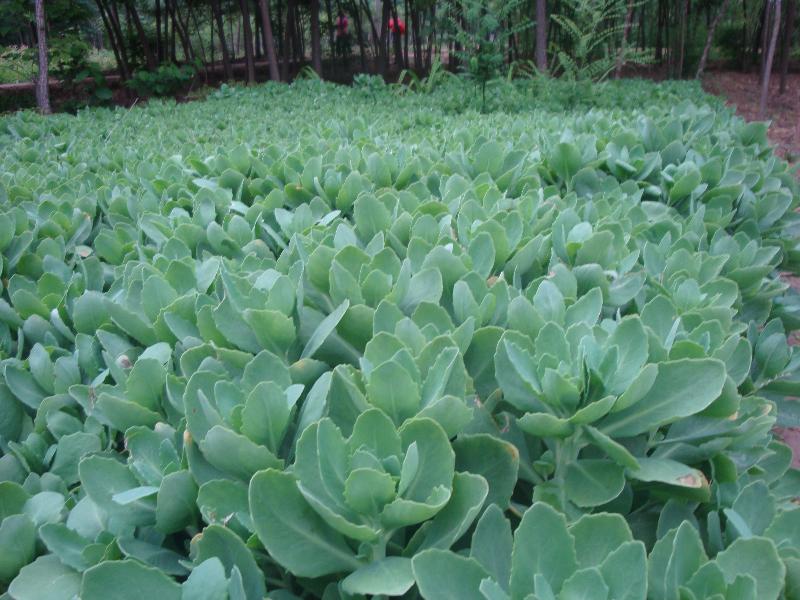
396 29
399 29
342 35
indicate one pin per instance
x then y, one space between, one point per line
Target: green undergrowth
325 342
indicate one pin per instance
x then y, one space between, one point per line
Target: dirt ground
742 91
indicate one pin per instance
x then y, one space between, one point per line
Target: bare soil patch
741 90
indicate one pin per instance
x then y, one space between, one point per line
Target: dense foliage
331 342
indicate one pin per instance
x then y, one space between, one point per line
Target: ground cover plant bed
320 342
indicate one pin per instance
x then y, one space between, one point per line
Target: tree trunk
383 51
211 43
173 48
432 41
183 33
248 41
659 55
375 37
682 37
786 43
710 38
42 83
287 44
776 19
316 45
149 57
331 38
113 17
226 57
298 43
764 35
258 39
416 41
405 37
193 16
362 45
397 37
159 42
625 30
642 28
269 42
117 49
541 35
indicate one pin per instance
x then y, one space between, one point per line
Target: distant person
396 30
342 35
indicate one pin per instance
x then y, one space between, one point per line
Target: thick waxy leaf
464 575
219 542
466 501
207 581
391 576
542 546
681 388
17 545
127 579
496 460
292 532
672 473
46 578
492 544
592 482
758 558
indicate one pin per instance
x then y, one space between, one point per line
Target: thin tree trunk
431 40
287 44
193 16
405 37
362 45
299 41
331 38
625 30
113 19
316 45
682 37
397 37
186 44
173 48
248 41
226 57
776 19
659 55
269 42
642 28
710 38
149 57
117 49
159 42
211 43
258 39
279 30
786 43
764 35
416 41
541 35
375 38
42 83
383 52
